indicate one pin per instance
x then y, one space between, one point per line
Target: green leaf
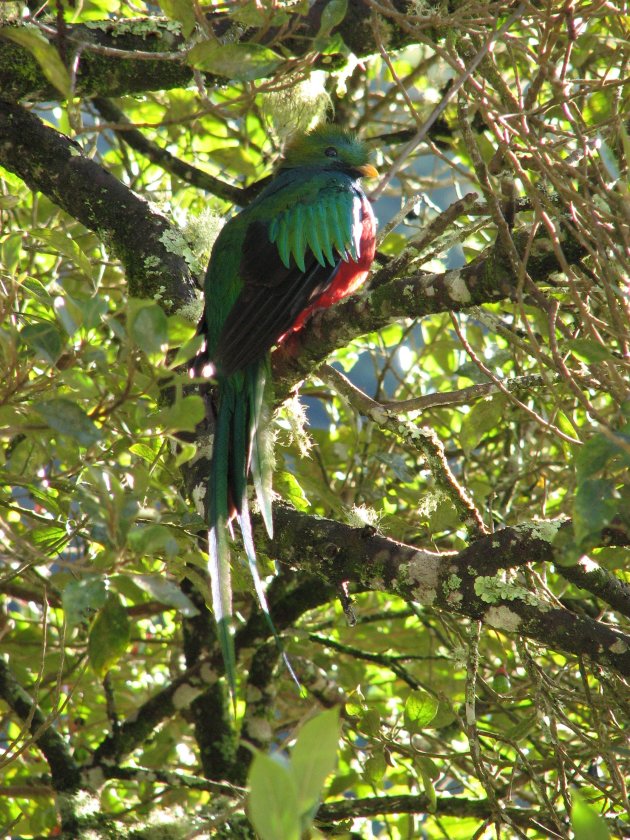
50 539
35 288
166 592
288 486
420 709
148 327
594 507
429 790
343 782
66 246
332 15
143 451
273 800
244 62
92 311
68 313
152 539
182 11
314 757
586 822
109 635
44 338
375 767
81 598
68 418
609 160
370 722
482 418
43 52
182 416
186 452
597 452
186 352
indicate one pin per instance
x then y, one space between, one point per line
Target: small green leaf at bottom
314 757
273 800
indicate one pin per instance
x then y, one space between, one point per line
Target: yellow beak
368 171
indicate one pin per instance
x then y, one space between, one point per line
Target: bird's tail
241 444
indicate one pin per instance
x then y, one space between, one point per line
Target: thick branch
466 583
108 62
142 237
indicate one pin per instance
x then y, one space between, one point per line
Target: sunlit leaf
420 709
273 800
65 245
109 635
314 756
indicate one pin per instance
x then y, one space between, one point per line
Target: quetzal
304 243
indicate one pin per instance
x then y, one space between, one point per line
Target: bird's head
330 147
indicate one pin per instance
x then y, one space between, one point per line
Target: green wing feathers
323 227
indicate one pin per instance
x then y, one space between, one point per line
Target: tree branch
142 237
465 583
373 806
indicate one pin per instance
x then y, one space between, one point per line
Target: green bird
304 243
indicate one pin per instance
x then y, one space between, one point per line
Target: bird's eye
331 152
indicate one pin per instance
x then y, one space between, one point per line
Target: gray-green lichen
452 583
502 618
542 529
495 588
184 695
423 576
259 729
176 243
142 27
199 499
